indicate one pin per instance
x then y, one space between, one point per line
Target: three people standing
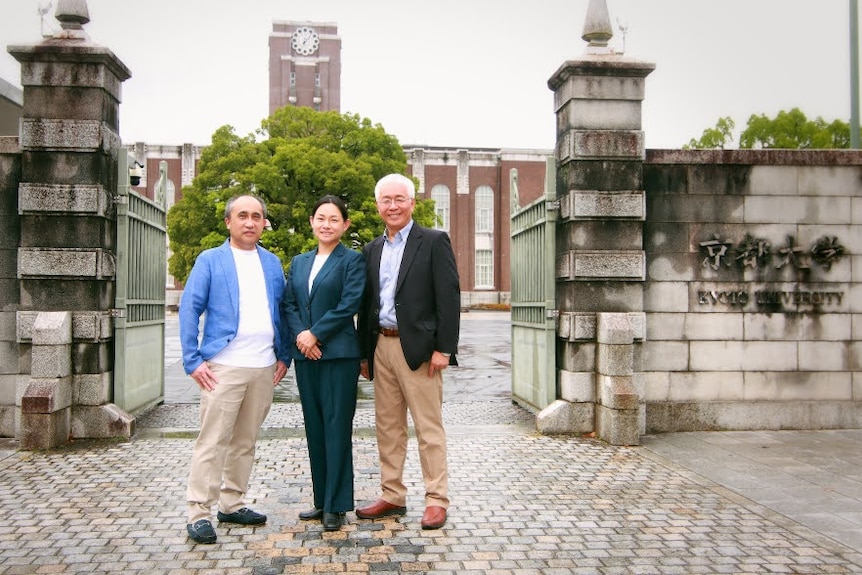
404 287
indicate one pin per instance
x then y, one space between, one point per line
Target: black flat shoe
201 531
244 516
313 513
332 521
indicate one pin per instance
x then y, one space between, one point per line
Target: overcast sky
462 73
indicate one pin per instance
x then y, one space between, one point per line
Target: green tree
787 130
298 156
713 138
793 130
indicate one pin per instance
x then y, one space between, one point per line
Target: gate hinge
118 312
552 205
552 313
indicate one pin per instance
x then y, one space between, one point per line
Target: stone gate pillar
600 257
69 139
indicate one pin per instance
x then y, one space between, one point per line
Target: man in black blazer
409 324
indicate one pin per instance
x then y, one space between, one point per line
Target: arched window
440 195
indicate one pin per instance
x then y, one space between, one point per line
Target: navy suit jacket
329 309
427 298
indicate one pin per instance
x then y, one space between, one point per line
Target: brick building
305 65
471 189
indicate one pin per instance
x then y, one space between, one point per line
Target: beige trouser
231 417
397 388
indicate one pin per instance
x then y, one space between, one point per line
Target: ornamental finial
597 27
72 14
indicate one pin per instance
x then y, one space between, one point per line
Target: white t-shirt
253 344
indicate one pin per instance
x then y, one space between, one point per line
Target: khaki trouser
397 388
231 417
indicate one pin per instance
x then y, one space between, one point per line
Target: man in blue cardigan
237 363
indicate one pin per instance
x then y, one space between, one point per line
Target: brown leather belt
388 332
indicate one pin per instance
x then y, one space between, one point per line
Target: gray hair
407 183
229 205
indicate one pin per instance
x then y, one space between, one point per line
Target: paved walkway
522 503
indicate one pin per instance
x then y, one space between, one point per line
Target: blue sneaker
244 516
202 531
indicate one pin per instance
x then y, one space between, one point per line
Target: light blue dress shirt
390 263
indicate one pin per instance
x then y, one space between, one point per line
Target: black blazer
427 298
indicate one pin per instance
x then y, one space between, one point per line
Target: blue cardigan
213 288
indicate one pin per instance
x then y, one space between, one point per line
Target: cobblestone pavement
522 503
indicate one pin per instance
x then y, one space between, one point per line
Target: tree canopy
787 130
298 156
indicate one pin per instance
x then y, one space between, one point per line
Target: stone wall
752 293
10 232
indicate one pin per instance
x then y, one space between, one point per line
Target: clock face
305 41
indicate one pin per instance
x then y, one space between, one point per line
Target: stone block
102 422
601 264
562 417
45 430
66 262
614 328
584 234
706 386
599 115
696 208
615 359
598 296
791 210
829 180
577 387
779 326
774 180
590 86
92 326
713 326
856 210
8 389
588 204
666 296
857 387
672 267
49 361
75 135
798 386
92 388
617 426
666 237
578 357
63 198
8 357
666 326
47 395
7 421
594 144
656 386
617 391
665 355
743 356
52 328
824 356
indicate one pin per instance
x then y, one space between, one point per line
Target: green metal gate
139 315
534 373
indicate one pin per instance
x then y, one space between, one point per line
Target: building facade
305 65
471 188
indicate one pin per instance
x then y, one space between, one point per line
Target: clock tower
305 65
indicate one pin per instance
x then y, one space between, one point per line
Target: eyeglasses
398 200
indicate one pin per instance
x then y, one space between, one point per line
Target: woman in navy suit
323 294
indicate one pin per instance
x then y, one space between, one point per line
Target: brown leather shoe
434 518
380 508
